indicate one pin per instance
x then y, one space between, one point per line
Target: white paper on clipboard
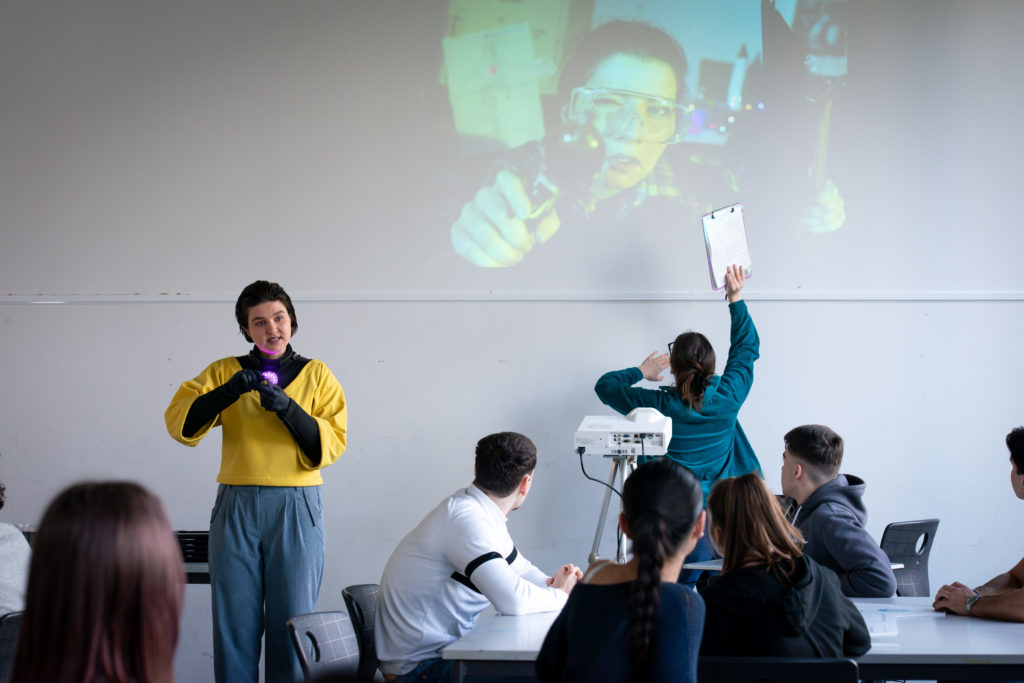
725 237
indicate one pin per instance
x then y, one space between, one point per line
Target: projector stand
622 467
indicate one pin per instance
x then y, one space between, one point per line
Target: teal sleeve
744 349
615 389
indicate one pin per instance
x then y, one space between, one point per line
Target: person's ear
698 526
624 526
524 483
798 472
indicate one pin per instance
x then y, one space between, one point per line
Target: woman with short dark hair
283 419
105 590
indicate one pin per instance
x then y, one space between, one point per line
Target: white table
909 641
716 565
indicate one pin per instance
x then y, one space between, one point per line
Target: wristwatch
970 604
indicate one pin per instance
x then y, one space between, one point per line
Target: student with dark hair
771 599
633 622
831 513
1003 596
105 590
704 407
14 560
283 418
459 560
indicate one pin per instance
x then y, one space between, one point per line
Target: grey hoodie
832 521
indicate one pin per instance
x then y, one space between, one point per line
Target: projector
645 431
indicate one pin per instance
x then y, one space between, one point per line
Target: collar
286 359
660 182
489 506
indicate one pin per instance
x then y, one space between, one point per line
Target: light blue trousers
266 566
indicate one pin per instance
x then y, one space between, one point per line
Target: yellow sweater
258 449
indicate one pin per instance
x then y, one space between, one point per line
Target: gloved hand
241 382
272 397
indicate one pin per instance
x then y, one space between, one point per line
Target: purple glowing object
270 376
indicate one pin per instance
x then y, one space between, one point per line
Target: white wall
923 393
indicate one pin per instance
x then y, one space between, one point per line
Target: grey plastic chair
909 544
327 645
9 625
361 600
775 670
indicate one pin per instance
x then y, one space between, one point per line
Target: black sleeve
205 408
551 659
304 429
856 637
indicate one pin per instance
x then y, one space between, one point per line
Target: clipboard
725 237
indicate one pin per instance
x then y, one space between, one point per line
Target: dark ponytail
693 364
661 501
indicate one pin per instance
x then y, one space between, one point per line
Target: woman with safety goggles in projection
620 93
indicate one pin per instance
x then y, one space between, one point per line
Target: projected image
609 137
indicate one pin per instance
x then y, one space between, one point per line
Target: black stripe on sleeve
472 567
486 557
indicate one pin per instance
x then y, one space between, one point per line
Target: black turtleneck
303 428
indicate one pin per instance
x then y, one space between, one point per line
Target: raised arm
744 344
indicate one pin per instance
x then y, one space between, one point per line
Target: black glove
272 397
242 382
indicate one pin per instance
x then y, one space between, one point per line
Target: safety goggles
626 114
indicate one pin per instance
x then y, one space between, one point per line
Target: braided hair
693 364
661 501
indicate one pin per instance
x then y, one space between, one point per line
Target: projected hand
653 366
828 213
491 230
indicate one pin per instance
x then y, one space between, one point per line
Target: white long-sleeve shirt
446 571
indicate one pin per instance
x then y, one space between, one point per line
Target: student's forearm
1004 582
1006 606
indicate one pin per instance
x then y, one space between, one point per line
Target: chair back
361 600
9 625
775 670
909 544
326 645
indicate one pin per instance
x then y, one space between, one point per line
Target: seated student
1003 596
459 560
14 559
831 514
771 600
633 622
105 590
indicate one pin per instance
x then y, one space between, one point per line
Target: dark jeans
702 552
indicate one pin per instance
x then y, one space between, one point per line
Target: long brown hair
105 590
753 528
661 502
693 363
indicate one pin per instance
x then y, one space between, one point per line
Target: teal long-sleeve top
711 443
